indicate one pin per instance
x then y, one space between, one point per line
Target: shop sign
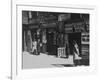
64 17
77 26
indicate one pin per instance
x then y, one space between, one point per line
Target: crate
61 52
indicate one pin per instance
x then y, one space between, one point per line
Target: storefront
56 37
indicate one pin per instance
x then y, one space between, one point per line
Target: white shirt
34 45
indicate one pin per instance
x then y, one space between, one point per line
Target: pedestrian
34 47
76 53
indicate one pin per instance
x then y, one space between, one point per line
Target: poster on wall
52 40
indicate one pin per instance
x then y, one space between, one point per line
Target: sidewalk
44 61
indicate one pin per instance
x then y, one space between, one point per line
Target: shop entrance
51 42
74 37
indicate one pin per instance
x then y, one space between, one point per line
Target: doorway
51 41
74 37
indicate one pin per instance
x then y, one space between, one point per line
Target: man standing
76 53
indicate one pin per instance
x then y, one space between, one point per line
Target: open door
74 37
51 46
